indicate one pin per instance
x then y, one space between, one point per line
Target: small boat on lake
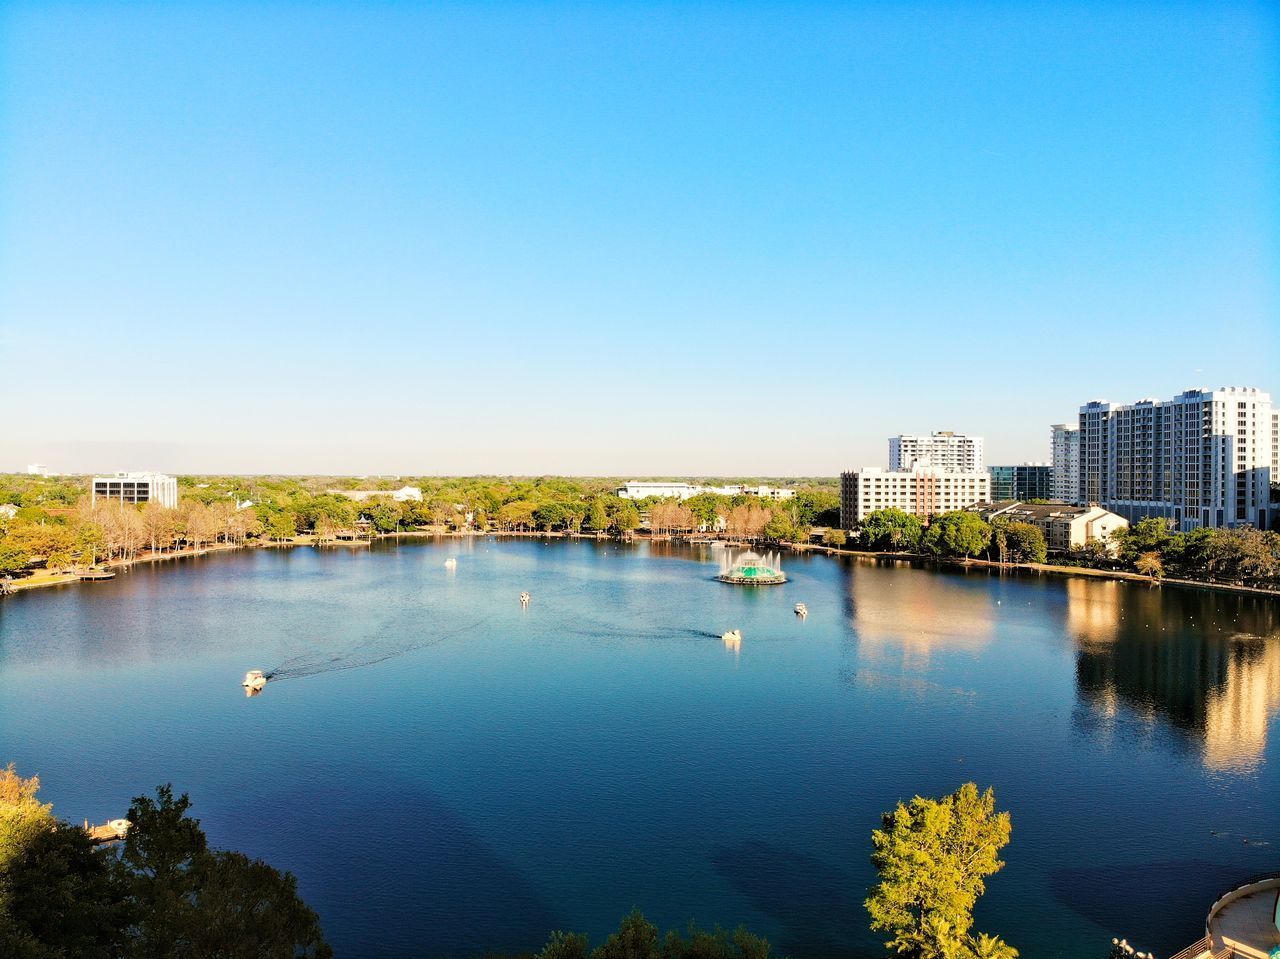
802 610
524 599
450 563
254 681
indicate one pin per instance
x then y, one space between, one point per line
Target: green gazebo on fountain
752 569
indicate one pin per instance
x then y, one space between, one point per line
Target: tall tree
597 515
891 530
1149 564
197 902
625 517
1025 543
67 898
957 534
933 857
22 819
13 559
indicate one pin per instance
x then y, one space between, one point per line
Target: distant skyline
621 239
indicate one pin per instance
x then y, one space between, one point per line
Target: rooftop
1247 918
1038 510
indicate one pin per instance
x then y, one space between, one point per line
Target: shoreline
1043 568
42 579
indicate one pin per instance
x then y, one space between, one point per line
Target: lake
449 774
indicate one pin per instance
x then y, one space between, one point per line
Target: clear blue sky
621 238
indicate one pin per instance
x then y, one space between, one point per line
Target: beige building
923 491
1064 527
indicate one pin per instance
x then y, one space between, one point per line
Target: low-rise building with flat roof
403 495
666 490
136 488
638 490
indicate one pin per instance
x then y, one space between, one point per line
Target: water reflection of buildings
1205 664
920 614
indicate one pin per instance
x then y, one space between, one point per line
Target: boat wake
389 643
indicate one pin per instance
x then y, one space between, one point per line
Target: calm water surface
449 774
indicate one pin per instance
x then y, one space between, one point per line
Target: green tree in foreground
637 938
166 895
209 903
67 899
23 819
933 856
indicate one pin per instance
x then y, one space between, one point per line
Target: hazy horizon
620 240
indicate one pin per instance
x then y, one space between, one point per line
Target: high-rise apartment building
1203 458
944 451
922 490
1065 445
1275 446
136 488
1027 481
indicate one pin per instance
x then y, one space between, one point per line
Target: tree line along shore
56 532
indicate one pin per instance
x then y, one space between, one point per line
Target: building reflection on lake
900 614
1204 664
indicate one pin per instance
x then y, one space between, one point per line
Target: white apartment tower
922 490
1065 484
1203 458
945 451
1275 446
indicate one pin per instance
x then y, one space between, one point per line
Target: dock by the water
110 831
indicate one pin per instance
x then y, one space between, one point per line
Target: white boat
450 563
524 599
733 636
254 680
802 609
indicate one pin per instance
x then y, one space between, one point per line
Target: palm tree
991 947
